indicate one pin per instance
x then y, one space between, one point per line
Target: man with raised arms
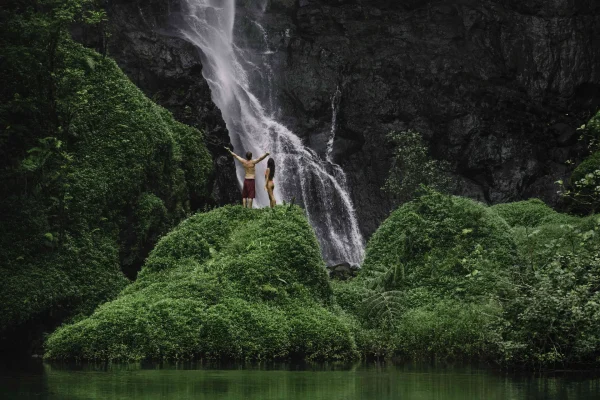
249 191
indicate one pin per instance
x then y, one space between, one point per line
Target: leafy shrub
231 283
585 184
531 297
318 334
431 280
589 166
350 295
564 234
555 317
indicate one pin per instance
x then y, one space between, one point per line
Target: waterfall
318 185
335 104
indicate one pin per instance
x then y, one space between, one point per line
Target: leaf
90 63
386 304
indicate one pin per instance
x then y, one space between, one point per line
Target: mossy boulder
231 283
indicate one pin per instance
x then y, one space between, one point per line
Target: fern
385 306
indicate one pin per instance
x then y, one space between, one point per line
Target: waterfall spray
318 185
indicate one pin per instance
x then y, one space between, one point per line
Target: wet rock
342 271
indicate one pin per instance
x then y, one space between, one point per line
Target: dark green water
363 381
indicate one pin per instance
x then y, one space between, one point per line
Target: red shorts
249 191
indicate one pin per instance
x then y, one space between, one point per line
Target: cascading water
316 184
335 103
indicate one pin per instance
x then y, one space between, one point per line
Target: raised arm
240 159
261 158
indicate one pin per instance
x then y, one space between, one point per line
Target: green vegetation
434 272
583 191
448 277
231 283
413 166
528 213
585 183
93 172
443 277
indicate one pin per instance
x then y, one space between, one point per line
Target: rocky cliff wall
496 87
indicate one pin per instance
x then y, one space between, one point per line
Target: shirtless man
249 191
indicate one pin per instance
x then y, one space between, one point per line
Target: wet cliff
498 88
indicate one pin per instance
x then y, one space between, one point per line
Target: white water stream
318 185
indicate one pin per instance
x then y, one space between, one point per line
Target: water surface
37 380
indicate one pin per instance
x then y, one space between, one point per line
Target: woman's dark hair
271 166
248 155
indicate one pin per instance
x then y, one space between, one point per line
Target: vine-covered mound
92 171
431 278
231 283
437 237
449 277
531 213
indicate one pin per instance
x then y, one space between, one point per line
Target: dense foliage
92 171
448 277
413 166
231 283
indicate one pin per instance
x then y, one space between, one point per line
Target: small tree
583 191
413 166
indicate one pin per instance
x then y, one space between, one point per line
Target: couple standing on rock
249 191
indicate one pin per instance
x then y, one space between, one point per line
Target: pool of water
37 380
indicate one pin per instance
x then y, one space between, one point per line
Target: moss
230 283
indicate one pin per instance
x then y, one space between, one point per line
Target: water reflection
287 382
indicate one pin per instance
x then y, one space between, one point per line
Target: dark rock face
497 87
169 70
